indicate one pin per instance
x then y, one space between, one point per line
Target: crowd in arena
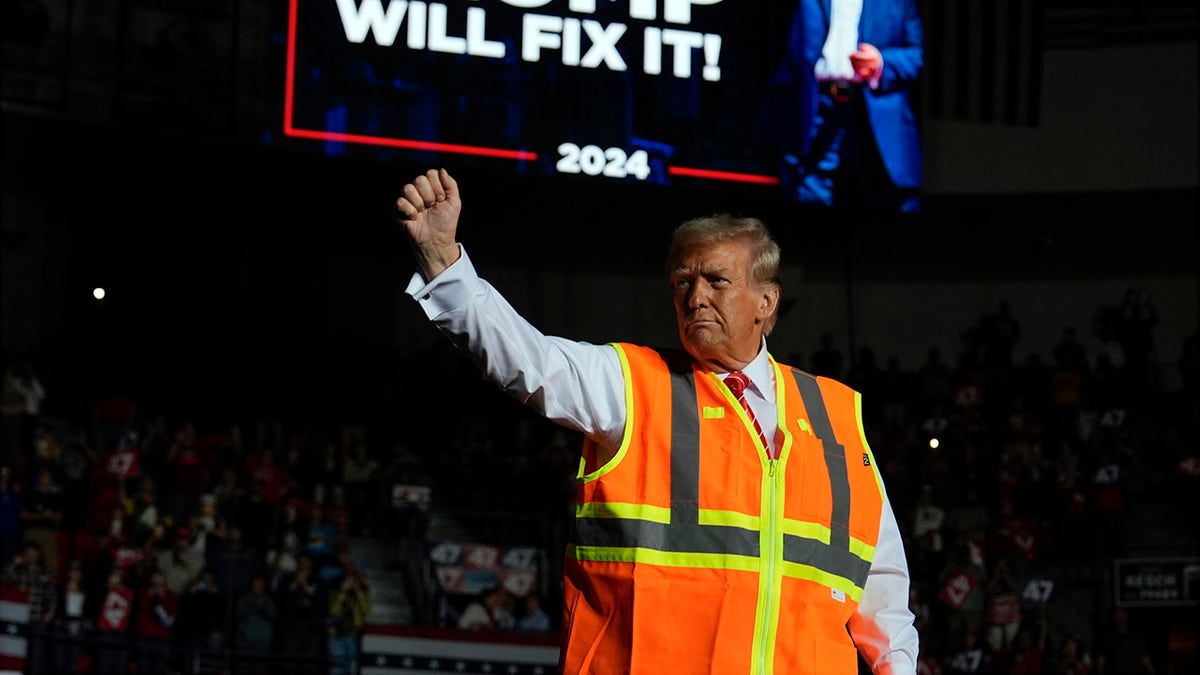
143 542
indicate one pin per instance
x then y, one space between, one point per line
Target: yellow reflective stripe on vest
654 514
687 536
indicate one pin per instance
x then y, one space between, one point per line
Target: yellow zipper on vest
769 538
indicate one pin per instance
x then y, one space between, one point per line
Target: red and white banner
14 629
417 650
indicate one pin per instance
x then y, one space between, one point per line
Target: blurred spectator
1135 331
12 418
961 591
229 493
359 473
933 379
477 614
79 459
895 392
233 562
113 626
303 604
1072 658
1000 332
282 558
155 448
42 515
155 612
143 513
123 461
113 417
27 571
349 605
32 395
1068 376
200 626
968 516
256 518
1107 501
190 467
1124 649
1013 539
327 474
322 542
533 617
492 609
271 477
256 616
74 621
1029 647
12 505
1003 608
180 562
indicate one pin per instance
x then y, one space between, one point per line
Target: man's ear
768 303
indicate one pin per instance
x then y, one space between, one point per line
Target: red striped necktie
737 383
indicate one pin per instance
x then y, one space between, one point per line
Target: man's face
719 309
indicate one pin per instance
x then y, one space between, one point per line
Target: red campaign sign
518 583
1006 609
123 463
450 578
482 557
956 589
128 555
114 616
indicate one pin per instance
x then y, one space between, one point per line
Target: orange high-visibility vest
694 552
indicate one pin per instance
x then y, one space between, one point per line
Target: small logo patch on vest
804 426
866 459
715 413
838 595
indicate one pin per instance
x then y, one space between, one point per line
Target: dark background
246 271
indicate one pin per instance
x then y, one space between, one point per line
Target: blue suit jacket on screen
896 29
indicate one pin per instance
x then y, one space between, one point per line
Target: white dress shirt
840 42
580 386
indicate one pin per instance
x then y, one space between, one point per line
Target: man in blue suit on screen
840 106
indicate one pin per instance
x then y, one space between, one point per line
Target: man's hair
722 227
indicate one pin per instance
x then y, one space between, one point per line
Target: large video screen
657 92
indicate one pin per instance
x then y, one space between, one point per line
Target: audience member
27 572
533 617
349 605
1137 321
155 611
12 505
79 460
303 604
73 623
256 616
114 626
359 472
1073 658
42 515
1123 648
200 627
